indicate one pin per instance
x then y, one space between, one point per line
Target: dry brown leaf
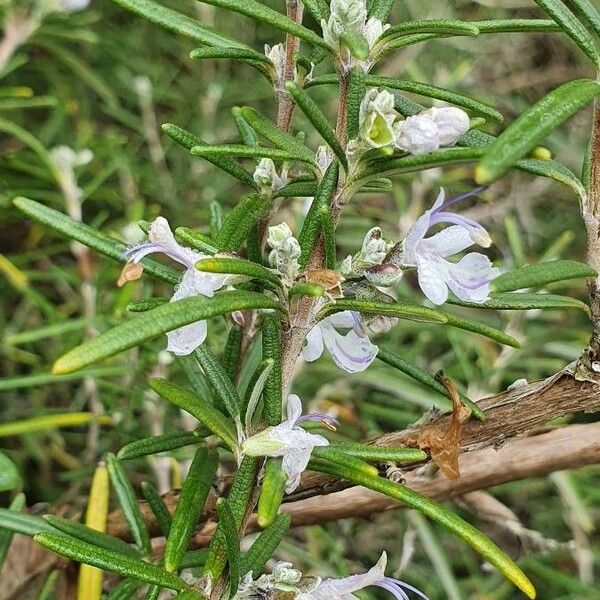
444 447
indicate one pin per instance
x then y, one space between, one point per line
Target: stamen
463 196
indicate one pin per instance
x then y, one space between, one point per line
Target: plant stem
591 217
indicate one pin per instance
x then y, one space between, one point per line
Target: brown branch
513 413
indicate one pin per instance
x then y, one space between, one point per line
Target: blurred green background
104 80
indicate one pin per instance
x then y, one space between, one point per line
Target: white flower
470 277
352 352
72 5
376 118
430 129
186 339
290 441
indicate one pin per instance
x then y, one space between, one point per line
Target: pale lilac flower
352 352
186 339
470 277
290 441
344 588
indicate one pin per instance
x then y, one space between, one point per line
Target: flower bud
417 135
451 123
374 247
265 175
278 234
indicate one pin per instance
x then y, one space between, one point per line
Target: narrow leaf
158 507
229 53
373 453
178 23
158 321
479 542
533 126
9 474
232 545
401 310
482 329
589 14
356 43
188 140
271 492
440 26
533 276
269 130
313 222
271 345
356 93
129 504
265 544
90 237
240 222
239 150
18 522
6 535
158 443
255 389
91 536
190 506
238 266
314 114
263 14
121 564
525 301
225 391
571 25
395 360
207 414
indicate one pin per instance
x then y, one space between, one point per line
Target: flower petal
186 339
419 229
449 241
351 352
470 278
339 588
313 346
294 409
432 277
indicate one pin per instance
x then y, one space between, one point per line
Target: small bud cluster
350 16
285 252
266 177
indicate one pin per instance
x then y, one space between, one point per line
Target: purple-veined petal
419 229
470 278
478 234
341 320
350 352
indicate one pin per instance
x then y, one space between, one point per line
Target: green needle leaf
588 13
156 322
207 414
9 474
440 26
188 140
179 23
107 560
159 443
533 126
271 346
240 221
190 506
220 150
238 266
402 310
232 545
532 276
271 492
314 114
265 545
524 301
373 453
479 542
129 504
88 236
263 14
571 25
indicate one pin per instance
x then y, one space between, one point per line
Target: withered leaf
444 447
